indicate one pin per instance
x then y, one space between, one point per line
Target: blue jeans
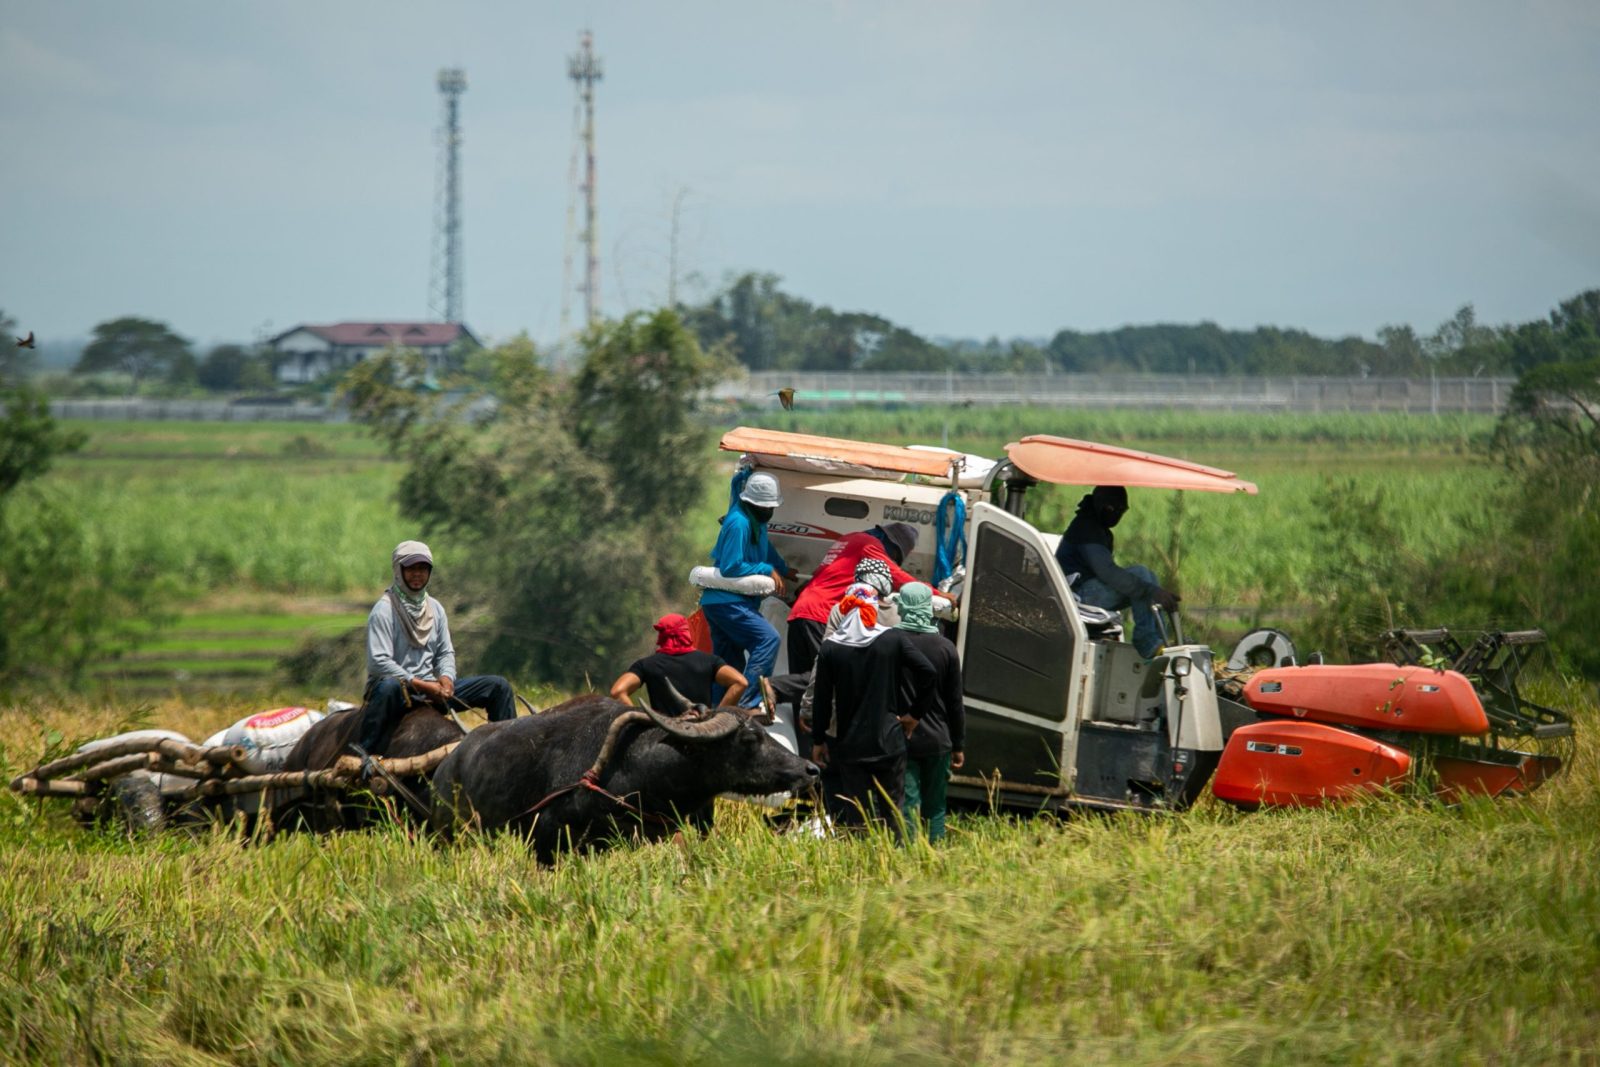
386 705
1148 637
746 642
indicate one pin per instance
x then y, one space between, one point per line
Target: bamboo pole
402 766
190 770
172 749
216 787
138 761
33 787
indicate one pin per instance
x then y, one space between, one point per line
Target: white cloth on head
852 629
415 610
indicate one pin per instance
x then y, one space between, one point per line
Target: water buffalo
421 730
527 775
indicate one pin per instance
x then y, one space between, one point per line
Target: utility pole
444 289
672 247
584 69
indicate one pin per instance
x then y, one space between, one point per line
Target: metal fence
1425 396
195 411
1179 391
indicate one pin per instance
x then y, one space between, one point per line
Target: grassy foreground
1390 932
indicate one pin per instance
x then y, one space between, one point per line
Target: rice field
285 512
987 429
1389 932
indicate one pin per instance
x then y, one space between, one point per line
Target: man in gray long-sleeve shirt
1085 555
410 658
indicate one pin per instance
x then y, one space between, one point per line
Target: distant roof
405 334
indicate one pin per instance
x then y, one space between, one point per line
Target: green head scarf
916 608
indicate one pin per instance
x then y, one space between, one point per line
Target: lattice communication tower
444 287
585 70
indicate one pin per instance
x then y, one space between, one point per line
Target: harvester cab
1060 710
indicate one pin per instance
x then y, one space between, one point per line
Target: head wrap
1114 495
854 620
415 610
916 608
904 536
875 572
672 635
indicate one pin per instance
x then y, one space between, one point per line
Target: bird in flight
785 397
27 342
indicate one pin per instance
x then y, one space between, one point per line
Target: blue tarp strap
950 545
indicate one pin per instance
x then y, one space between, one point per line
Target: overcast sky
963 168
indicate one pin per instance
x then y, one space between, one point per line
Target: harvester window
846 508
1019 638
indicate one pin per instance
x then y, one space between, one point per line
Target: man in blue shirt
746 641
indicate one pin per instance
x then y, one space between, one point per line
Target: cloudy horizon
963 169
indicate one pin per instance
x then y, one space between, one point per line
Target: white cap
762 491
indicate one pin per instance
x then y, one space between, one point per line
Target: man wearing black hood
1085 555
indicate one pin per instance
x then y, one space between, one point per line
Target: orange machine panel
1303 764
1521 772
1372 696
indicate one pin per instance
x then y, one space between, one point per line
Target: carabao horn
723 723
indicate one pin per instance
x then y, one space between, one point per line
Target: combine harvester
1061 712
1439 716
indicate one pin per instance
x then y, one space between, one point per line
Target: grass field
286 512
1389 932
1394 931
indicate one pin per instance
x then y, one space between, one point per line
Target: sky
965 169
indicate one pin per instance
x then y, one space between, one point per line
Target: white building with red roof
307 353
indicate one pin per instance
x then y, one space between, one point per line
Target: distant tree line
764 328
752 321
150 352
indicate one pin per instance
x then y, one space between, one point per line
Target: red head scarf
672 635
868 609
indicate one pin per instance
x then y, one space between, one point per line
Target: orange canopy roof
803 451
1063 461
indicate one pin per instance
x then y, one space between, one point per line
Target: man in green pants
934 747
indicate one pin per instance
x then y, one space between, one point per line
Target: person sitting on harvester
1085 555
410 659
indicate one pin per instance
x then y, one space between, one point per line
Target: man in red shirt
808 617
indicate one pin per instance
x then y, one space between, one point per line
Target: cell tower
444 287
584 69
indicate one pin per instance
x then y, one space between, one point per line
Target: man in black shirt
859 721
676 661
1086 551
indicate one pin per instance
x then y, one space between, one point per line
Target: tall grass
289 526
987 428
1388 932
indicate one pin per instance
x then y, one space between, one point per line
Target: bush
568 499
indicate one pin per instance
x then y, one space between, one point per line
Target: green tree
1403 353
64 599
230 368
14 359
567 500
139 348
